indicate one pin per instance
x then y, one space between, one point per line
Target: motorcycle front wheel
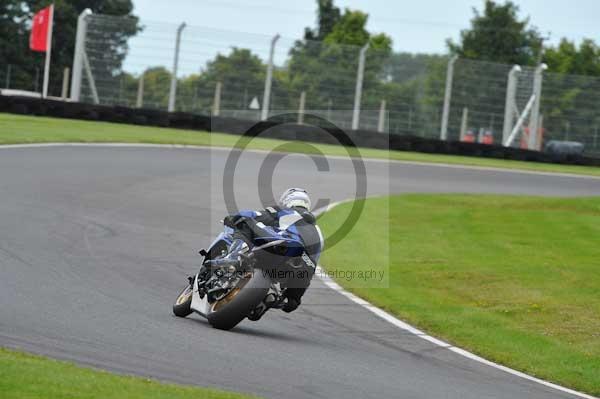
183 304
230 310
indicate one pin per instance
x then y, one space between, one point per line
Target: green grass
31 377
16 129
514 279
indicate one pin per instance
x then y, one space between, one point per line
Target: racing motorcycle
238 280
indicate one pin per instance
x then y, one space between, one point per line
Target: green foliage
350 30
567 58
498 35
570 94
326 70
35 377
328 16
241 71
157 83
15 21
514 279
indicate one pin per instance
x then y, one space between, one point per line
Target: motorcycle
238 280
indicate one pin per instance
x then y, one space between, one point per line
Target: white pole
139 103
65 86
48 53
267 95
359 85
509 106
464 123
301 108
534 122
173 90
90 77
217 100
447 98
381 122
540 137
77 75
520 122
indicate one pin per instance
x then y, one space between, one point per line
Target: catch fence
252 76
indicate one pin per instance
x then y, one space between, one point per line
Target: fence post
65 85
267 95
301 108
534 122
217 100
447 98
90 77
173 90
8 71
510 104
540 135
381 121
359 85
77 70
464 123
139 102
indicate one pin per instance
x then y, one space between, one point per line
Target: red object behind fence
469 137
488 138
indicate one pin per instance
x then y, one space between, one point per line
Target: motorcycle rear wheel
235 306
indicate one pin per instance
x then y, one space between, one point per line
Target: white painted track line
335 286
415 331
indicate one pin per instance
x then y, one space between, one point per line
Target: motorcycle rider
292 218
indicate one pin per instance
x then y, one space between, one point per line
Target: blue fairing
294 243
225 236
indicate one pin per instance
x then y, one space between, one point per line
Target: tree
15 21
567 58
498 35
157 81
328 16
571 93
326 70
241 73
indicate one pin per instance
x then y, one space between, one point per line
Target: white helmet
293 197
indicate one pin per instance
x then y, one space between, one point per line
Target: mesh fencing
571 109
481 88
325 75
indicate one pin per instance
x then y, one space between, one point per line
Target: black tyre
231 310
183 304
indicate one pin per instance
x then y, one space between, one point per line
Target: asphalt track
95 243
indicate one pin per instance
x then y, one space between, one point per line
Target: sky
415 26
421 26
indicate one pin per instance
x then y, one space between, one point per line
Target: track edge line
330 283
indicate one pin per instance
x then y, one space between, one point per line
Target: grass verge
18 129
514 279
28 376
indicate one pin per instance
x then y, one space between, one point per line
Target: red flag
38 41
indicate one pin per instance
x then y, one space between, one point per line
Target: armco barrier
361 138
